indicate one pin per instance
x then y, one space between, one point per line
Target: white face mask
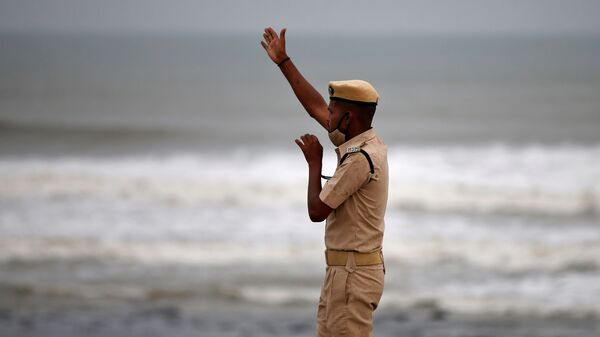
336 136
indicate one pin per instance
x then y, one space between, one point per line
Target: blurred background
150 185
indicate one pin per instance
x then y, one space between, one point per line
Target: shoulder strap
372 168
366 156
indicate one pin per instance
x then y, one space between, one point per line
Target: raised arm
310 98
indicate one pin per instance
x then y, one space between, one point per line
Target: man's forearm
313 152
308 96
317 210
314 183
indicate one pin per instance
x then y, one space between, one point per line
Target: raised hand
311 99
274 45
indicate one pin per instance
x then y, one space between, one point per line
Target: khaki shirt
358 200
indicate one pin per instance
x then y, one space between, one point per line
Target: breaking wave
480 178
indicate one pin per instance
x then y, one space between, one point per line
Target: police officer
353 200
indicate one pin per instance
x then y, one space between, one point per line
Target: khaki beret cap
353 91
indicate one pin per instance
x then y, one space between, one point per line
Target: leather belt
340 257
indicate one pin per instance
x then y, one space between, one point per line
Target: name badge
353 149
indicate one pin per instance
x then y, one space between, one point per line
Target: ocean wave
517 306
431 303
87 130
499 256
27 250
484 178
437 274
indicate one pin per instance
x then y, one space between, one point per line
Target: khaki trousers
349 296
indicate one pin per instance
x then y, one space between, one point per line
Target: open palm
274 44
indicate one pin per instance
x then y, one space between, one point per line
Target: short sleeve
347 179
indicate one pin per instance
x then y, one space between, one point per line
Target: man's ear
347 117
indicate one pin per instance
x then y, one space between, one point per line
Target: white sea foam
495 273
480 178
430 252
150 253
518 301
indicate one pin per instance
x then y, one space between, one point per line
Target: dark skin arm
313 153
310 99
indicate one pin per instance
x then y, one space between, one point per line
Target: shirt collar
355 142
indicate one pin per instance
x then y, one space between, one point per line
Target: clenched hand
312 149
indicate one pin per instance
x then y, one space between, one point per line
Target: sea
138 168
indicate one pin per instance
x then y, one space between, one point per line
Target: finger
282 34
267 31
299 144
267 38
262 43
272 33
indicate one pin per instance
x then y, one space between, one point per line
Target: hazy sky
311 16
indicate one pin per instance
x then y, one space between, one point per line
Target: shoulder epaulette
351 150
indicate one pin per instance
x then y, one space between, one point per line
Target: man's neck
353 132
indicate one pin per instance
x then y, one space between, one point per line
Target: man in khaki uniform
353 200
